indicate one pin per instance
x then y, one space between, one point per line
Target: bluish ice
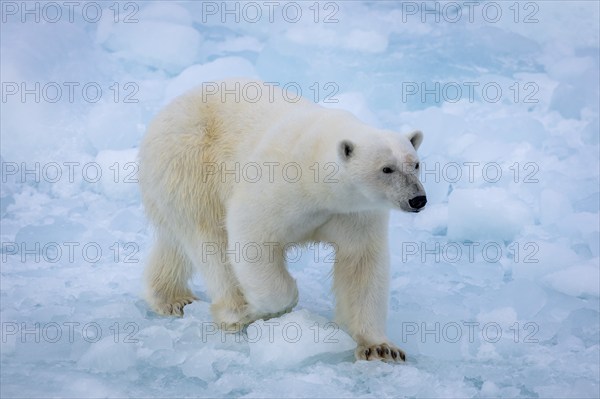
494 287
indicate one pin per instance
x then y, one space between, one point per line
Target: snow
495 286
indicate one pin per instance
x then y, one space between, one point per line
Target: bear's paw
385 351
174 307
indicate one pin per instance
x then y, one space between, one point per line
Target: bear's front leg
361 283
260 269
256 252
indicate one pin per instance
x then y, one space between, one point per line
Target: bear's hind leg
229 307
167 276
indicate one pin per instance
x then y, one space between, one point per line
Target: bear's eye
387 169
417 166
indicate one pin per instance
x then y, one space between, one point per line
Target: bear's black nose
418 202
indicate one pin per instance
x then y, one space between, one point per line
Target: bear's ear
415 138
346 149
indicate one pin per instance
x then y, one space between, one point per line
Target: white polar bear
230 181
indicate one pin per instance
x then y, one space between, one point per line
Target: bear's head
383 169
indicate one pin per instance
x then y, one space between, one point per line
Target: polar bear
230 179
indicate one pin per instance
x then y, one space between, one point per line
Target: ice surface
112 126
355 40
162 37
295 339
577 280
487 213
353 102
105 356
527 320
216 70
119 173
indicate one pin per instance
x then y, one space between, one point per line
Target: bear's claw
174 307
385 352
